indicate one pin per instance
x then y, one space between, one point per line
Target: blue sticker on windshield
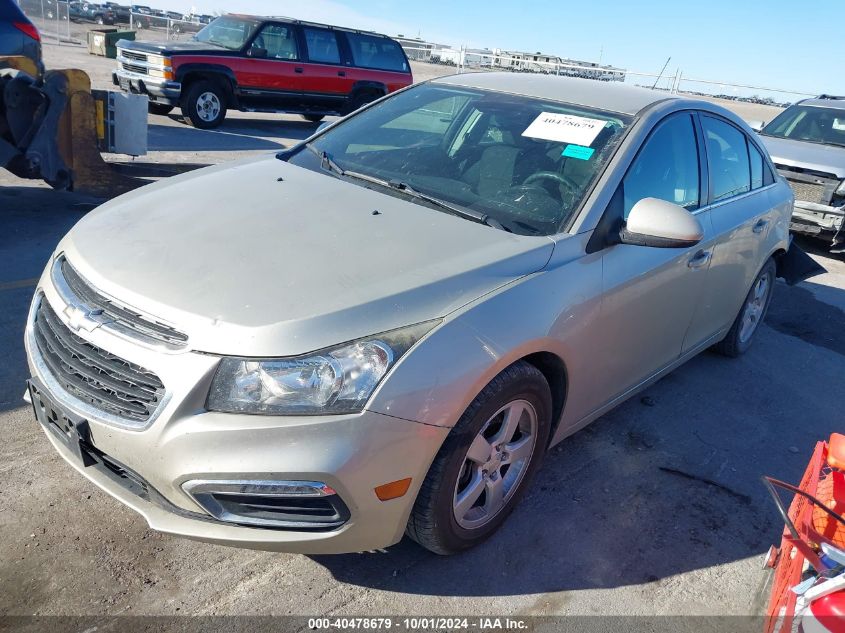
578 151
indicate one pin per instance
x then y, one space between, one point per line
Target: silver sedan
383 329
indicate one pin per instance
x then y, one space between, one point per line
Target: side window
756 159
727 155
322 46
278 40
666 167
376 52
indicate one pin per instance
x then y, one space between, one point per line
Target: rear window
376 52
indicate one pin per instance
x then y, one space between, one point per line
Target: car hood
263 258
824 158
174 48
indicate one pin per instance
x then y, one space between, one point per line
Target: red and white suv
263 64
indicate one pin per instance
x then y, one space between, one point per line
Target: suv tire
751 314
204 104
361 99
478 457
159 108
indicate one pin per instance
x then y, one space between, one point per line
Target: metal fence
469 60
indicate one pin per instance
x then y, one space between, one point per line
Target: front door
269 78
651 294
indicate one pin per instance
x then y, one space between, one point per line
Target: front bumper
810 217
158 90
353 454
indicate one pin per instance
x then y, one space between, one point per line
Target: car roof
825 101
281 18
602 95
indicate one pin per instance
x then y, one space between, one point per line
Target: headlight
840 190
333 381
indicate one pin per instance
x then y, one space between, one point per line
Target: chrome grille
93 375
138 57
808 191
132 68
118 316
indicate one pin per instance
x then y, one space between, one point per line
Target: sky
776 43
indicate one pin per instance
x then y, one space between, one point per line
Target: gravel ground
655 508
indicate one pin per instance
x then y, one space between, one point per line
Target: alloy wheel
755 307
208 106
495 464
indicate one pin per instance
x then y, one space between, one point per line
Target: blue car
18 36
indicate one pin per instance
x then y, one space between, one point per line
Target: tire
739 337
434 522
362 99
159 108
208 97
313 118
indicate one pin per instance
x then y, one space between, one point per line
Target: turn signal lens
393 490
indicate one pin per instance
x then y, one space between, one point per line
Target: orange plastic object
831 492
790 559
836 452
393 490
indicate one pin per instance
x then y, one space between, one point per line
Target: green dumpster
102 41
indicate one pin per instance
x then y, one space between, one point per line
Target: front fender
549 311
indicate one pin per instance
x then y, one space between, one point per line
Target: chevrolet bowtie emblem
80 319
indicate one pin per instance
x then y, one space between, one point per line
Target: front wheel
752 313
204 105
486 463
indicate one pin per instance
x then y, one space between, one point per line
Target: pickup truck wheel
313 118
204 105
159 108
751 314
485 464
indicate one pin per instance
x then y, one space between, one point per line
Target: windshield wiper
326 162
468 214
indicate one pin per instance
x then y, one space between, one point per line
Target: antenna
661 73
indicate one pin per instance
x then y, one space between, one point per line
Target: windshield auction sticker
565 128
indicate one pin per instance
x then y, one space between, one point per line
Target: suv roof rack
835 97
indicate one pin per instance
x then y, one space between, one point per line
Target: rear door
269 76
742 217
325 84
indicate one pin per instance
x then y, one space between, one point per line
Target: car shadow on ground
667 483
236 134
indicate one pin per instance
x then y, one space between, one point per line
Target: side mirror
257 51
757 126
661 224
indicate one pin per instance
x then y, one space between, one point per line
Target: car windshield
809 123
525 163
227 32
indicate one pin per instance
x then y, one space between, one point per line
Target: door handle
341 73
762 224
700 259
298 69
